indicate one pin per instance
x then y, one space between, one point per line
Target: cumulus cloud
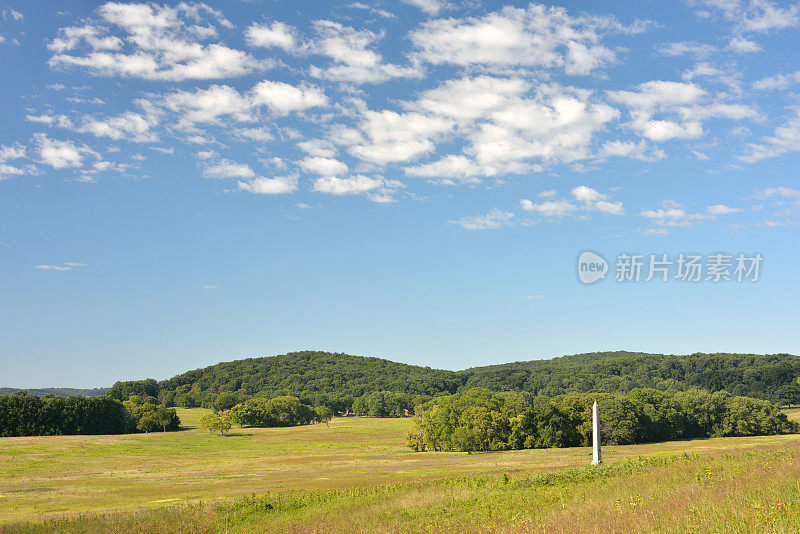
641 151
450 170
721 209
752 15
686 48
225 168
491 221
538 36
157 43
323 166
353 55
664 110
785 139
387 136
276 34
431 7
549 208
58 154
377 189
779 81
11 153
584 198
672 214
223 102
270 186
740 45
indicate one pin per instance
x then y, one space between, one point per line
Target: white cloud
11 153
467 99
586 199
277 34
549 208
491 221
270 186
721 209
779 81
671 214
450 170
387 136
218 102
752 15
14 15
781 191
66 266
157 43
683 106
323 166
58 154
689 48
261 135
353 55
785 139
377 189
740 45
226 168
129 126
538 36
210 287
629 149
431 7
51 267
318 147
533 297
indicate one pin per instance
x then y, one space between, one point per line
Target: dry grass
357 476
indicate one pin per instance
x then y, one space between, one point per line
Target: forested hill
311 375
773 377
337 379
58 392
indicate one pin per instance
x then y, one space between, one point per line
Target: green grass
357 475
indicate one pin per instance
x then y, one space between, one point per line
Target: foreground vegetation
732 492
358 476
481 420
382 388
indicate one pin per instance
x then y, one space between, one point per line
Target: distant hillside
59 392
337 379
773 377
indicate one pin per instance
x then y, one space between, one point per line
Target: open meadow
357 475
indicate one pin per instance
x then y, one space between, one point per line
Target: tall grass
756 490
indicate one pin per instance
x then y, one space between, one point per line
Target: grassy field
357 475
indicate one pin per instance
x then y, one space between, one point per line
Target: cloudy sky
187 183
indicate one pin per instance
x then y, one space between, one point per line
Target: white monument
596 460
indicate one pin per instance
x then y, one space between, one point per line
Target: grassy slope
361 477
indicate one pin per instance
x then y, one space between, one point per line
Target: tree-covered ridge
773 377
58 392
338 380
331 379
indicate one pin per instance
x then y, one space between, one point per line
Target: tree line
32 415
280 411
478 419
382 388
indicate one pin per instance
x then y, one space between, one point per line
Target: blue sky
189 183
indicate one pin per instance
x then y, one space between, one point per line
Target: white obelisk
596 460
